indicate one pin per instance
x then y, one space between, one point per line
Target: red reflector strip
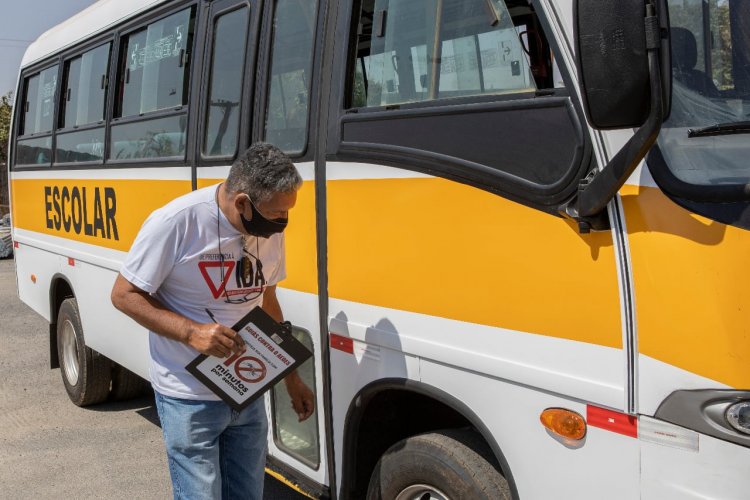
71 261
614 421
342 343
16 244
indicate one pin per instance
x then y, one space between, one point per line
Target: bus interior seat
43 156
684 59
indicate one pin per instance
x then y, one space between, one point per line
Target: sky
21 22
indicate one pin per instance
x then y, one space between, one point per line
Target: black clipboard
271 352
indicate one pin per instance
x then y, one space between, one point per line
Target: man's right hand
214 339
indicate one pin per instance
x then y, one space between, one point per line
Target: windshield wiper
721 129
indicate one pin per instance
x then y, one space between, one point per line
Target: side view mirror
613 66
623 53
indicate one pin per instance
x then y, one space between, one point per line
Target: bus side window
225 85
454 88
413 51
298 439
82 101
37 115
288 105
154 71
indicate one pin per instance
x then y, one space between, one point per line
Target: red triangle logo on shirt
228 268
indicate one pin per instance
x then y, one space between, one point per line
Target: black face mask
260 226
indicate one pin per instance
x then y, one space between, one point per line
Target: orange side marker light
33 278
565 423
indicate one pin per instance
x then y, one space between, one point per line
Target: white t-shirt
175 257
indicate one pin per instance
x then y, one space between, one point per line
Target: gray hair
262 171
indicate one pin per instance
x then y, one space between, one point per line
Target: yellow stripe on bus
691 279
430 246
441 248
109 213
72 209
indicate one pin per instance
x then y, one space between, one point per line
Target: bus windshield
705 141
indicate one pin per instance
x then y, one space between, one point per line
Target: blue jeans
214 452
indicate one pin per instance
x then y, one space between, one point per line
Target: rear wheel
86 374
126 384
442 465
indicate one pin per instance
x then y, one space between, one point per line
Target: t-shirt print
232 277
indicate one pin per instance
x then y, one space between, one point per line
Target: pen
238 339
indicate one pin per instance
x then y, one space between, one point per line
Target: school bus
519 254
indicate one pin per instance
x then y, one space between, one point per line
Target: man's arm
271 304
207 338
303 400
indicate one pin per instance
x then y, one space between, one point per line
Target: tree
6 112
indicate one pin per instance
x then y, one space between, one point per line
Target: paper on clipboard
270 353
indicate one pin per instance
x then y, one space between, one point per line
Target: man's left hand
303 400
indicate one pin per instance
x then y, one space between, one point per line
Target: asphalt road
50 448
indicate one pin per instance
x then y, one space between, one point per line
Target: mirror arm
596 191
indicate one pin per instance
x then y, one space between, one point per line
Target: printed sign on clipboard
270 353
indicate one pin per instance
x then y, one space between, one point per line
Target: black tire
449 464
86 374
126 384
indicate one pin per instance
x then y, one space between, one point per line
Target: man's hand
303 400
214 339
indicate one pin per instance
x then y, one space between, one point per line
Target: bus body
429 268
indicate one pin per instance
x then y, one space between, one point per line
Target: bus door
285 109
258 77
454 288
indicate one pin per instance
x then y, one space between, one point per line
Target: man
214 253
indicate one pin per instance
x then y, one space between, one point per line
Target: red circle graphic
250 369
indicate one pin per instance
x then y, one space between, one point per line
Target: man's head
260 190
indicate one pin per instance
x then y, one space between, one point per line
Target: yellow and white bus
509 292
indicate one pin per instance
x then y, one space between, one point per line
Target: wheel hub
69 352
421 492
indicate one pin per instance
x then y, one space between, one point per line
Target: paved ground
49 448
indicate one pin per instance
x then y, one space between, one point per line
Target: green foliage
362 94
6 111
721 52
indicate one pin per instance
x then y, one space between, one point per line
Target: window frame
547 198
183 109
114 34
95 163
20 109
264 80
66 57
450 101
274 424
246 88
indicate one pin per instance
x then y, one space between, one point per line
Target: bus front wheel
439 465
86 374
